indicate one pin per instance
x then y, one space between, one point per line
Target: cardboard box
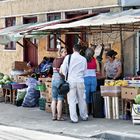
129 92
111 91
20 65
45 79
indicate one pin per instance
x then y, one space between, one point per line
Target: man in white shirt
76 71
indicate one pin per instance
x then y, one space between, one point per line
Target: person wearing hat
113 66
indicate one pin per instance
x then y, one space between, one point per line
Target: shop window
10 22
52 39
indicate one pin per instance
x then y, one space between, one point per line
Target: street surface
35 122
13 133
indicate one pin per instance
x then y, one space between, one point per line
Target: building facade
17 12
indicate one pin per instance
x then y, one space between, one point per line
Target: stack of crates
48 94
48 107
1 94
112 101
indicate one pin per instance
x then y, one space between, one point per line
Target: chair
7 90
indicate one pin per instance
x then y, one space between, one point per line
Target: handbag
64 88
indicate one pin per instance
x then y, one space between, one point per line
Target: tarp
15 33
124 18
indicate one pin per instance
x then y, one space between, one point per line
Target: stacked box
112 107
21 79
1 95
129 92
20 65
112 91
43 94
45 79
48 91
48 107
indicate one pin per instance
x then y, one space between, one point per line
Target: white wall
130 2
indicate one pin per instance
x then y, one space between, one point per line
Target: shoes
73 121
85 119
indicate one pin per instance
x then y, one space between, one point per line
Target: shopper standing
57 79
90 78
77 68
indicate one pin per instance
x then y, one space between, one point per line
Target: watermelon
137 99
1 75
6 77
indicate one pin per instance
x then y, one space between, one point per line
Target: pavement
40 121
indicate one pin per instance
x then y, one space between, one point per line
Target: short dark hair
111 53
77 47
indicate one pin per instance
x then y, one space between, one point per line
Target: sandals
60 119
54 118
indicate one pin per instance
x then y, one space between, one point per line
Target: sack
136 110
64 88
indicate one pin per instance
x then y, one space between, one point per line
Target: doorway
72 39
30 50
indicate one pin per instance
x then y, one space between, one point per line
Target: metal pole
121 44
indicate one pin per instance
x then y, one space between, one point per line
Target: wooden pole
121 44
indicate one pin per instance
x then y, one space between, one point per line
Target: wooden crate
49 94
48 84
45 79
20 65
21 79
48 107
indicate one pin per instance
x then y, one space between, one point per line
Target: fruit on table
116 83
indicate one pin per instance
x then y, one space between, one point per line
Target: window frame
10 21
52 17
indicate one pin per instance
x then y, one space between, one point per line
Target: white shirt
77 67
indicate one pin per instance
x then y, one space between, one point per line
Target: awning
126 21
15 33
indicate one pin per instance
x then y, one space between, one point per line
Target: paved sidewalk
35 119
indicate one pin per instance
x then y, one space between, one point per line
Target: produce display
137 99
4 79
116 83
